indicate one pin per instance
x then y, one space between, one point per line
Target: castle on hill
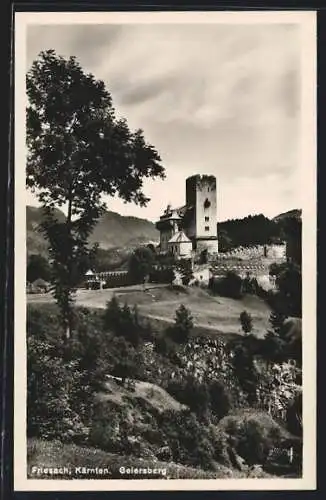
192 228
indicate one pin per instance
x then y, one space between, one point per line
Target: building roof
40 282
89 273
173 215
179 237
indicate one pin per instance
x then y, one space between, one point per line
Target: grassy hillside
112 231
213 315
146 392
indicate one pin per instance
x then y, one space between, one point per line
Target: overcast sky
216 99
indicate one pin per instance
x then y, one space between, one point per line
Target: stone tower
201 203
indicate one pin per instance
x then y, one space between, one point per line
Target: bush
162 275
125 360
246 322
51 386
38 267
294 416
43 322
220 398
125 322
289 285
252 436
245 371
141 264
109 428
183 325
188 440
164 345
229 286
191 393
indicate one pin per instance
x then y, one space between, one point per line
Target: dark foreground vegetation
216 409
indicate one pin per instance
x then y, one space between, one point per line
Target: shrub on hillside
246 322
125 322
245 371
294 415
125 360
42 322
252 435
110 428
192 393
183 325
220 398
165 346
228 286
289 285
51 386
188 440
283 340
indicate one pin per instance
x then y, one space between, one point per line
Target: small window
207 203
206 228
206 219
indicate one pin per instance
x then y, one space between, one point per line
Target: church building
191 229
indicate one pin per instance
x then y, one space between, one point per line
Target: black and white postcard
165 251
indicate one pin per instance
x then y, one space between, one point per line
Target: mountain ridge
114 230
111 231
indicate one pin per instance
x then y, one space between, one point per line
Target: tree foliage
185 269
246 322
78 150
38 267
288 300
228 286
141 264
183 324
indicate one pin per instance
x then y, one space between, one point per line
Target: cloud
222 99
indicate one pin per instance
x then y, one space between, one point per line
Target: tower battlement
198 218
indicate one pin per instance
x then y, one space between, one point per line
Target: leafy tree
78 151
246 322
183 325
220 398
185 268
276 320
112 313
127 362
292 228
294 415
38 267
141 264
125 322
164 274
229 286
189 441
288 300
191 393
51 386
245 371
